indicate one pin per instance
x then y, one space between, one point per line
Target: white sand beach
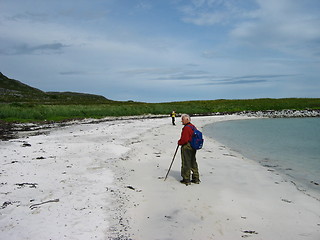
106 181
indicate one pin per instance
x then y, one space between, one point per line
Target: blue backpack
196 140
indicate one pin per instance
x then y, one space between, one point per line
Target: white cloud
212 12
282 26
287 26
113 49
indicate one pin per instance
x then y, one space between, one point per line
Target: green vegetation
23 112
14 91
22 103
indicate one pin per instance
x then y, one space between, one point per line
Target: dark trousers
189 163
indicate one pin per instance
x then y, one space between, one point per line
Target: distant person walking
173 116
188 154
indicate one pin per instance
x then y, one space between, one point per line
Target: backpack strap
192 127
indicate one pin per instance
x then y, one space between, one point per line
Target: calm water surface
288 145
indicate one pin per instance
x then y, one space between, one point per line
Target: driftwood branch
38 204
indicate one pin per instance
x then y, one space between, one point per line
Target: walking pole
171 163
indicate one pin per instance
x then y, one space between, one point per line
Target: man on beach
188 154
173 116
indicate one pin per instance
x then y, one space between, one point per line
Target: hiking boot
185 181
195 181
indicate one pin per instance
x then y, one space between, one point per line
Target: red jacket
186 134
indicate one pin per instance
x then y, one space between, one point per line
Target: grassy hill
14 91
23 103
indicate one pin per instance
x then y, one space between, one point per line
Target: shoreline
245 206
310 188
108 178
17 130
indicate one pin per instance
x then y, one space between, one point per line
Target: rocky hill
14 91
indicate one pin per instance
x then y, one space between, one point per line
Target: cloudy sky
164 50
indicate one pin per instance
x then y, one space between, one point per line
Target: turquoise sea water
290 146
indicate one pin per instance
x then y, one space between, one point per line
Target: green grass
12 90
22 103
24 112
